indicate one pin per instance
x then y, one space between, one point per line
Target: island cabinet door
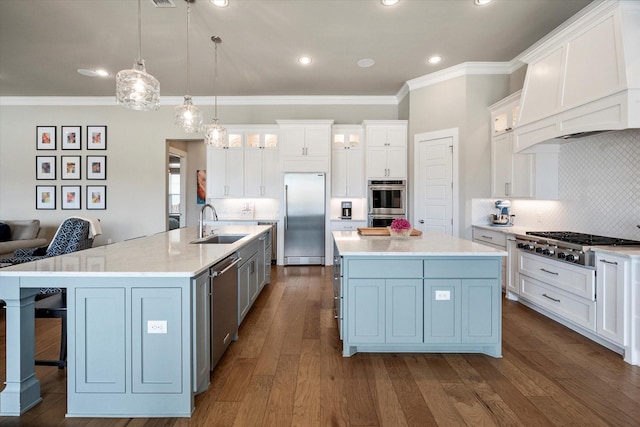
366 310
100 341
442 311
481 310
403 309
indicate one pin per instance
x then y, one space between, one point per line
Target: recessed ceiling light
481 2
220 3
366 63
389 2
305 60
434 59
93 73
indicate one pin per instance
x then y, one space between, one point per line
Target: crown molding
464 69
201 100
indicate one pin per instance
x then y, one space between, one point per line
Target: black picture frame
45 197
45 168
70 197
70 167
71 137
96 137
96 197
45 137
97 167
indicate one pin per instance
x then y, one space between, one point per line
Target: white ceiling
44 42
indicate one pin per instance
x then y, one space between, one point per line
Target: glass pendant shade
215 135
137 89
188 116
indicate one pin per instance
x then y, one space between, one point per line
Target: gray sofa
24 234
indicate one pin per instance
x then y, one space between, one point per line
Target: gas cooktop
583 238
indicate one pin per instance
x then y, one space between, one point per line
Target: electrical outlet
443 295
157 327
109 241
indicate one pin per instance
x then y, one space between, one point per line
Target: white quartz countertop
352 243
166 254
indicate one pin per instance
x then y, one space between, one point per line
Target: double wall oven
387 200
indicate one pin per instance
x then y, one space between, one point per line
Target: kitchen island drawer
577 280
381 269
469 268
581 311
482 235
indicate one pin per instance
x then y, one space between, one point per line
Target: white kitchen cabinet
224 169
248 286
513 283
261 165
304 145
533 174
612 273
386 148
347 162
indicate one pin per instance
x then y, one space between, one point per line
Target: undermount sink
220 239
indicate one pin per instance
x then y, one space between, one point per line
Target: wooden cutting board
382 231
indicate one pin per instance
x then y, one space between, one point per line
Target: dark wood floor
286 369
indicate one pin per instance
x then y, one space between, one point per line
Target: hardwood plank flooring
286 369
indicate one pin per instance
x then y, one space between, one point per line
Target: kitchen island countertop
429 244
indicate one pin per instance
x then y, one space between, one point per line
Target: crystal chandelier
135 88
188 116
214 134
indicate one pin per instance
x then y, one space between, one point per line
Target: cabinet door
243 291
292 140
366 310
271 180
253 172
442 311
201 333
611 277
513 284
481 311
397 162
339 172
397 136
355 173
254 278
317 141
235 177
376 162
216 172
501 165
403 307
522 171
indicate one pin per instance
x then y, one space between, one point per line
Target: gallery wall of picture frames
71 167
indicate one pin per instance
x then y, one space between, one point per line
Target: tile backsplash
599 189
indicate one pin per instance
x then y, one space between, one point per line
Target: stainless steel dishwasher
224 306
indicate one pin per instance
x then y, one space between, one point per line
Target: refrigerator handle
286 207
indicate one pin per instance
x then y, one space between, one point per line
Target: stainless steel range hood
584 78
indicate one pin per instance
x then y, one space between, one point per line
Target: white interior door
434 186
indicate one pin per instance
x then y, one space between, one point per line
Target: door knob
421 221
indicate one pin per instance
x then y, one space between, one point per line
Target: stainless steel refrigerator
304 218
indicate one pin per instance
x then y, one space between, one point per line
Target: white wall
136 157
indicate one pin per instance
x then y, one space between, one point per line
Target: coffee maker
346 210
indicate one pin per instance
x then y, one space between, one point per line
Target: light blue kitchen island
137 324
431 293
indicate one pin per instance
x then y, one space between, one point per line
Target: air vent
163 3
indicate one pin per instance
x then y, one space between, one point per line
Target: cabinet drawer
483 235
468 268
579 281
375 268
347 225
581 311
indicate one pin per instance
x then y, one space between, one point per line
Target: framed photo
96 197
45 196
70 167
45 167
96 167
45 137
96 137
71 138
70 197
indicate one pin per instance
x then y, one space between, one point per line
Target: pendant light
135 88
214 134
188 116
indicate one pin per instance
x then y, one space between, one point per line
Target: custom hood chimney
584 78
